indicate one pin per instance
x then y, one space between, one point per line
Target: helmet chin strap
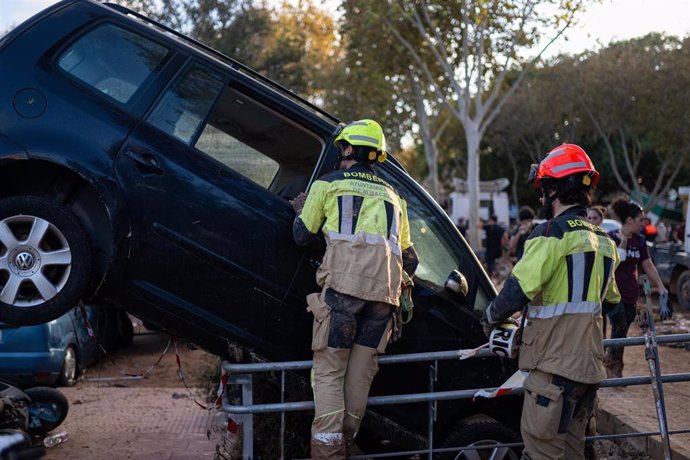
341 157
547 207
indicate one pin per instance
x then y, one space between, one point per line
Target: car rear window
113 60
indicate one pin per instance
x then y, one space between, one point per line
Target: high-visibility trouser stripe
570 308
328 439
367 238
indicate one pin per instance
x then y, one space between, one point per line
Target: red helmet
564 161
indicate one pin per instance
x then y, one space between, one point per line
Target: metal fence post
282 416
433 376
247 420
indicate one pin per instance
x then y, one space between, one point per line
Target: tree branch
626 157
424 68
609 148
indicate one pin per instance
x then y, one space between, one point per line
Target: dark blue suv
141 168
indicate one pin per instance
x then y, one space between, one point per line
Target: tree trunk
430 154
472 135
432 162
427 137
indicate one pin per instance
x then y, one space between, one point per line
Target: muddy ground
153 417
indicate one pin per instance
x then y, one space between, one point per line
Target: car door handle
146 162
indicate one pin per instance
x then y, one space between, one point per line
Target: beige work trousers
341 380
555 413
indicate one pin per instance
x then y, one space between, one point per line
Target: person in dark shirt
634 255
462 226
517 240
678 233
494 243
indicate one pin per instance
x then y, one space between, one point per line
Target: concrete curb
608 423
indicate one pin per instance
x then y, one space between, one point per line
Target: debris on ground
618 450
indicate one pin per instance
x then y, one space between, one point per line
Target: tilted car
142 168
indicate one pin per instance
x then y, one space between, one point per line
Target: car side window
113 60
185 105
240 132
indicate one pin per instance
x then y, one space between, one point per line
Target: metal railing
241 374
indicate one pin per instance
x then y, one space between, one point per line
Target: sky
605 22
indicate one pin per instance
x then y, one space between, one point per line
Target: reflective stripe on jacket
567 271
366 228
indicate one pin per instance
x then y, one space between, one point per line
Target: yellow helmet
365 133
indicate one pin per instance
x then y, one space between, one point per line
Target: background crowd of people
503 243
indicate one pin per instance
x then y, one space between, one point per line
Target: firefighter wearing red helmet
560 285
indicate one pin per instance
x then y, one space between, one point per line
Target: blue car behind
55 353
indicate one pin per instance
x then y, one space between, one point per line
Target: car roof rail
124 10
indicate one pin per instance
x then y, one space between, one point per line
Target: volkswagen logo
24 260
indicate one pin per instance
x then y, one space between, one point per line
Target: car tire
683 290
47 260
481 431
47 410
70 368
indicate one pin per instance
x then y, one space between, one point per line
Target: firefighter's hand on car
298 202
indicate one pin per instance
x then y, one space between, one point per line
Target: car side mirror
457 283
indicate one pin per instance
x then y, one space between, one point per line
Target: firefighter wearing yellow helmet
560 284
368 248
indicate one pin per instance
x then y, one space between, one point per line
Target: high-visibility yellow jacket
367 233
566 273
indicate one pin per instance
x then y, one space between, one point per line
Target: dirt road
150 418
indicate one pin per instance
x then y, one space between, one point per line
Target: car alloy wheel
45 260
36 262
481 431
486 452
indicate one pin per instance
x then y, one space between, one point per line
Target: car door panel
204 236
